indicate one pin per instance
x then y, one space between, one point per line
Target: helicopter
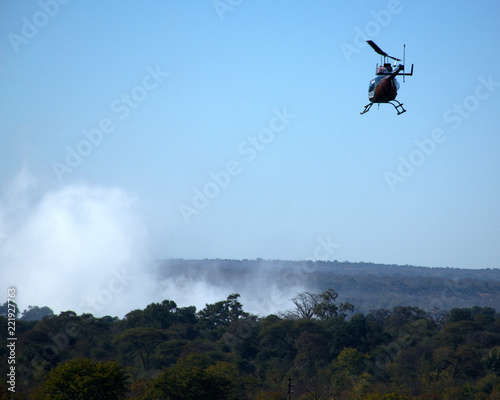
384 87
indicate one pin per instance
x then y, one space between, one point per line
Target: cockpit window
372 85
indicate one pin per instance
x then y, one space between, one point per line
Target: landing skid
398 106
367 108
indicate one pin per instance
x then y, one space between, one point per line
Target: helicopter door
371 89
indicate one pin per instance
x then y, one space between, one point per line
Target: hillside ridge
366 285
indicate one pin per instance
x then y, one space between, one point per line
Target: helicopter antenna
404 52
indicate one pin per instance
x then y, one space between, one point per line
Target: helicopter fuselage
383 88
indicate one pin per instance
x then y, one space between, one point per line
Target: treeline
32 313
331 267
319 349
368 286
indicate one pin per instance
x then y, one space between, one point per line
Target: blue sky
231 129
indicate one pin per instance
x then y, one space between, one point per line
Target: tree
66 322
408 364
305 303
141 341
34 313
91 327
492 361
401 316
347 368
242 337
132 319
378 316
326 307
278 340
484 315
312 350
159 315
464 362
196 377
186 315
458 333
222 313
350 362
84 379
9 306
460 314
309 305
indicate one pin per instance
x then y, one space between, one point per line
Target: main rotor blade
376 48
380 51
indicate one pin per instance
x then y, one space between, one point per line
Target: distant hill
367 286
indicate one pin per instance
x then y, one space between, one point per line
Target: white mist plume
79 247
84 248
263 291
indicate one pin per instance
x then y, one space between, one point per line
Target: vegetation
368 286
223 352
84 379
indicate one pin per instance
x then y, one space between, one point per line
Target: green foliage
83 379
277 339
368 286
402 316
142 342
160 316
222 352
492 361
9 307
460 314
326 307
459 333
196 377
222 313
461 363
350 362
313 305
348 367
34 313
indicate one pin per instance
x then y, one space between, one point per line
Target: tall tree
326 307
222 313
305 304
159 315
313 305
142 342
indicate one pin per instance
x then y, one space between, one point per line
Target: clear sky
232 129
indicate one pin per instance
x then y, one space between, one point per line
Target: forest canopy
319 349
